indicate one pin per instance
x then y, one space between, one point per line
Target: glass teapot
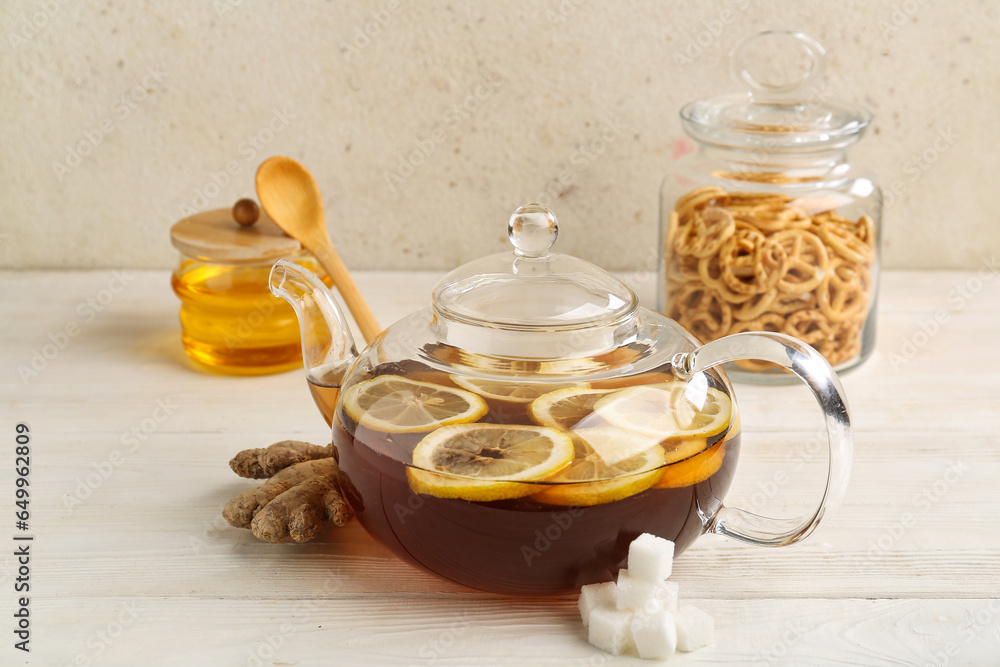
520 431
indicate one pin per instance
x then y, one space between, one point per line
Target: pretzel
810 326
705 232
706 314
786 304
807 260
775 217
750 262
844 343
682 269
843 294
755 307
845 243
866 230
697 197
710 273
763 261
769 322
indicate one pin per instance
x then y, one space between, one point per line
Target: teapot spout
327 345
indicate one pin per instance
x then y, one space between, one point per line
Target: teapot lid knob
532 230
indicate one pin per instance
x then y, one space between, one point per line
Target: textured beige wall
168 95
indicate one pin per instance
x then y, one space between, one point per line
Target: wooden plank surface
132 563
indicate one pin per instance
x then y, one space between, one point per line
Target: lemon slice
655 377
507 391
567 407
484 462
613 445
679 449
591 480
695 469
698 468
395 404
668 410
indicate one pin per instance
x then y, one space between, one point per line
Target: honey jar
766 225
230 321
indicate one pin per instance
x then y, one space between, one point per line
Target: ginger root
265 462
296 501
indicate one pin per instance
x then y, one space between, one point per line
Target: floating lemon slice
506 391
695 469
484 462
680 449
656 377
567 407
395 404
698 468
668 410
591 480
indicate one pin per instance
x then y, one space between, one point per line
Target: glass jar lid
532 288
785 107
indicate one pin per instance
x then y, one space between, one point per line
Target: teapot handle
813 369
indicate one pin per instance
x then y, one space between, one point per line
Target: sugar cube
654 634
593 596
611 630
635 593
667 592
650 557
653 605
632 591
695 628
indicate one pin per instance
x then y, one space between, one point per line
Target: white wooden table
132 564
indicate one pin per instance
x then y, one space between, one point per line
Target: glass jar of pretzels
767 226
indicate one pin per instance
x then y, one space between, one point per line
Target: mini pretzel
843 344
703 311
770 218
703 233
768 322
787 304
866 230
843 294
682 269
846 244
710 273
697 197
807 260
810 326
750 262
830 215
756 306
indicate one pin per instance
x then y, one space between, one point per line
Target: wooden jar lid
216 236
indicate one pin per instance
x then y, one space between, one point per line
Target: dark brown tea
631 468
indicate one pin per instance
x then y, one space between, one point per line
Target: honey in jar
230 321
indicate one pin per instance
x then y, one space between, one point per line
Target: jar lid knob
532 230
246 212
780 77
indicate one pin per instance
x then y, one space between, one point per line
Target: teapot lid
533 289
785 105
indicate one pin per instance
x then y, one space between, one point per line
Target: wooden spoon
290 196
